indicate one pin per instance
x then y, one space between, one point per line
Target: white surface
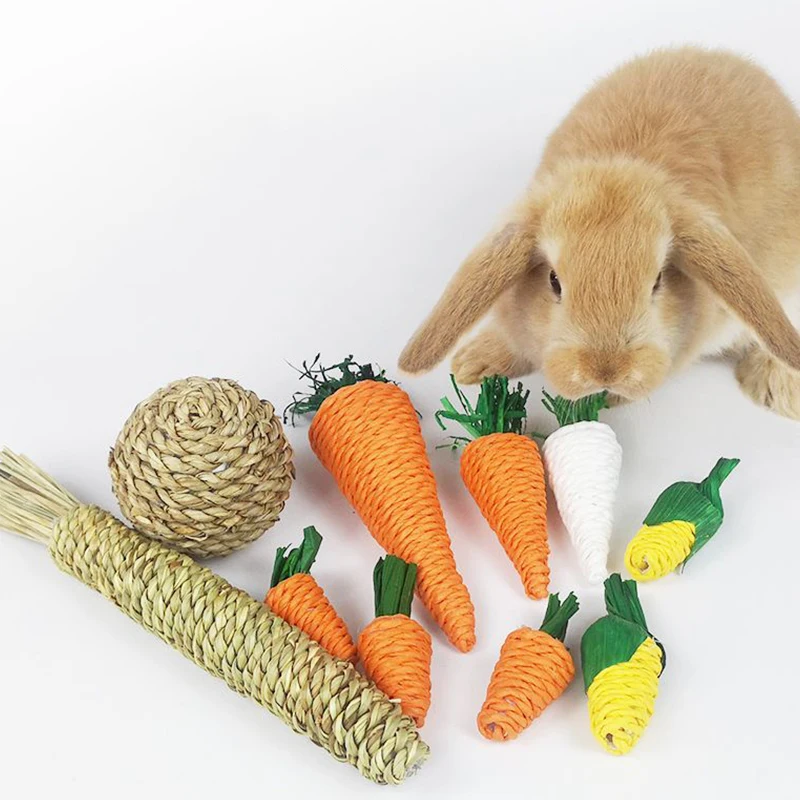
191 190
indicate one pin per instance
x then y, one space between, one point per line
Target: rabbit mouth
628 375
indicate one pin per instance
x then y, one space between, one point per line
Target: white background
216 188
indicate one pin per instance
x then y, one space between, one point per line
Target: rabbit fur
662 225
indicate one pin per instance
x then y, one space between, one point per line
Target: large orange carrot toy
533 670
395 649
296 596
503 471
366 433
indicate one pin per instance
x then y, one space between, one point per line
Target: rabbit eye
657 284
555 283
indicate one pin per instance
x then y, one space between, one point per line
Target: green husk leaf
697 503
325 381
498 409
558 615
608 641
568 412
614 639
299 560
622 600
710 486
393 581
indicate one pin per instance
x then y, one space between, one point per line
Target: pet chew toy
683 519
533 670
395 649
583 460
202 465
622 663
296 596
503 471
366 433
222 629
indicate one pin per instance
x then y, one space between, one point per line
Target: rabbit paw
485 355
770 383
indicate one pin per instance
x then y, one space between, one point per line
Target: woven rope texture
504 474
622 699
657 550
236 638
202 465
533 670
397 652
302 603
369 438
583 463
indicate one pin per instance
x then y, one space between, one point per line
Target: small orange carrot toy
366 433
299 599
503 471
533 670
395 649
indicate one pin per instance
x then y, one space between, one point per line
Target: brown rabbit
662 225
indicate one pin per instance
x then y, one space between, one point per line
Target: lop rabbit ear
492 267
711 253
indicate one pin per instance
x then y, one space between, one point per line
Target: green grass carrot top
324 382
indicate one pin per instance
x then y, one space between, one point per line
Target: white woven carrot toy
583 460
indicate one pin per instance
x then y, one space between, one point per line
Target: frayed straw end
31 502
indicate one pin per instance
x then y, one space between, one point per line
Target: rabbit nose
604 368
606 374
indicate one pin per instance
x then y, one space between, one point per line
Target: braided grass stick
222 629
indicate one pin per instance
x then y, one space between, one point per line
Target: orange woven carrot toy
395 649
299 599
366 433
533 670
503 471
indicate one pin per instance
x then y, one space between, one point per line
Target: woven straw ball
202 465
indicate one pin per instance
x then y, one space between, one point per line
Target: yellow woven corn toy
622 664
683 519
